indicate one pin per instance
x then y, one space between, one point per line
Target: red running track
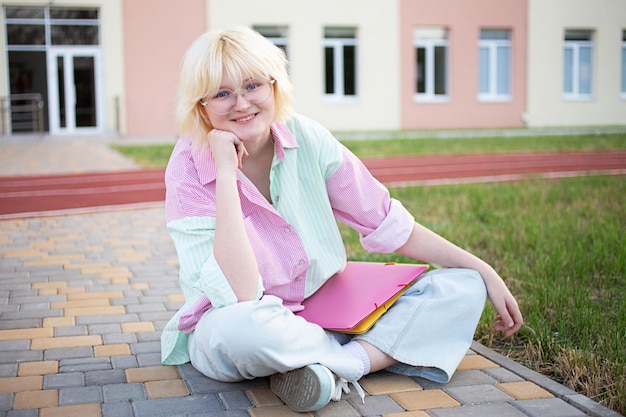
38 194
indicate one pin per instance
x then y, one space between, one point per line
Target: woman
253 194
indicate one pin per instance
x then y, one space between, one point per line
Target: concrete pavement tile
407 414
27 412
118 409
153 373
552 407
123 392
80 395
386 383
66 342
141 326
475 362
524 390
64 380
67 353
167 388
276 411
111 350
84 364
263 397
38 368
25 334
108 376
80 410
424 400
502 375
21 383
478 394
8 370
124 362
338 409
36 399
374 405
481 410
234 400
166 407
6 402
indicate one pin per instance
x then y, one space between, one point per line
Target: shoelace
341 386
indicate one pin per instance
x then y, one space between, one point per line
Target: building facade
109 67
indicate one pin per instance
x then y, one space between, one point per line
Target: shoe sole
304 389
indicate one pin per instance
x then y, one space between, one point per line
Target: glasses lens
256 91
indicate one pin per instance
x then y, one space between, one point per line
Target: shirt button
301 262
287 229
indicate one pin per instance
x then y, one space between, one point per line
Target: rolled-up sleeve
363 203
200 274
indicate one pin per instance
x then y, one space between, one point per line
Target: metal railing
21 113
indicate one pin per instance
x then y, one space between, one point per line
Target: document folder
352 300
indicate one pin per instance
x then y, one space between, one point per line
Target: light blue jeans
428 331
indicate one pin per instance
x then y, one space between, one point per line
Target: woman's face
247 120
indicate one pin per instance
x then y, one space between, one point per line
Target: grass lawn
559 244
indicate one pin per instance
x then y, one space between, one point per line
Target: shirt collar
205 165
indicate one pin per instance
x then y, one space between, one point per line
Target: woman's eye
221 95
252 86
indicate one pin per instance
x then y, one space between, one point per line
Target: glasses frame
242 92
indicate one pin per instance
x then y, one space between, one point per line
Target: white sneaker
304 389
310 388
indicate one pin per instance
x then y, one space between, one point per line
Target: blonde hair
238 52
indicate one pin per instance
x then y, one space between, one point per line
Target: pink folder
350 296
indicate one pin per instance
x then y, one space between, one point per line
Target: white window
494 65
578 64
340 63
276 34
623 89
431 66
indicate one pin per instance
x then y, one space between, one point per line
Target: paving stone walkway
84 297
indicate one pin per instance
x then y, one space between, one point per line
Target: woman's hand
228 150
509 319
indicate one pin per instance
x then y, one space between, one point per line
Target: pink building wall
156 35
463 19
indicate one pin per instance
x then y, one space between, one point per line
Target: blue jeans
428 331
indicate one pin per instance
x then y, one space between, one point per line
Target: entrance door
74 90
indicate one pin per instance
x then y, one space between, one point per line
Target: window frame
430 45
575 47
277 34
493 46
623 73
337 45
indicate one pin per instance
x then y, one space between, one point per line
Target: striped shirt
314 181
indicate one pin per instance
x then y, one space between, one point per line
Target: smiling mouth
245 119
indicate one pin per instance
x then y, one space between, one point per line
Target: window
340 63
276 34
431 66
623 89
32 28
577 64
494 65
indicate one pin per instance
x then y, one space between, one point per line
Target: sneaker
311 388
305 389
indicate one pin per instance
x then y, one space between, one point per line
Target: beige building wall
548 21
378 102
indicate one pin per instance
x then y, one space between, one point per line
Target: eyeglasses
256 91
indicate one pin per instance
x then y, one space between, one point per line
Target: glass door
74 90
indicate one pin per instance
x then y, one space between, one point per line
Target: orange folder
352 300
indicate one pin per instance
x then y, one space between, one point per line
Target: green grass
561 247
559 244
157 155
